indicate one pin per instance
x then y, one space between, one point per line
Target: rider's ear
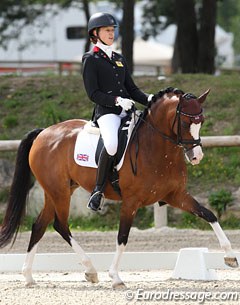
202 97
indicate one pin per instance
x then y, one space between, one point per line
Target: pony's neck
161 115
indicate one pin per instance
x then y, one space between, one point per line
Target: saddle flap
89 144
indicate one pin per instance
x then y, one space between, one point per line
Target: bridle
180 141
184 143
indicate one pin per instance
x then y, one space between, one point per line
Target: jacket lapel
116 60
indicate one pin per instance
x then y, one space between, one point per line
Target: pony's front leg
113 271
123 233
191 205
230 258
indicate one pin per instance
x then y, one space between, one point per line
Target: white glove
150 97
125 103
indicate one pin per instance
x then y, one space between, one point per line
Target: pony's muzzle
195 155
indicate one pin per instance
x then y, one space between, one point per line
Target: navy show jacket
105 79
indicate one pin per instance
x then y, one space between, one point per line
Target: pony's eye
185 125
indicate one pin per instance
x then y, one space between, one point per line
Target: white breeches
109 125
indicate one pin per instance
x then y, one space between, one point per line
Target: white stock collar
107 49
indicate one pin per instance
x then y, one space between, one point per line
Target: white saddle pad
86 145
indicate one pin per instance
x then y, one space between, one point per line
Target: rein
179 142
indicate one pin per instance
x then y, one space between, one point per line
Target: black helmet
99 20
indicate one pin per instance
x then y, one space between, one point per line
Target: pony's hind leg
38 229
61 226
189 204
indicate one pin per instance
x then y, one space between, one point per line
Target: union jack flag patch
82 157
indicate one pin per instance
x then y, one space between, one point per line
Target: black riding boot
105 162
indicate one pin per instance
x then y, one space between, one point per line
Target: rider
109 85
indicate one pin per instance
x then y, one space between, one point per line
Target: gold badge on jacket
119 63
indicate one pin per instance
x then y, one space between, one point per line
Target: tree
25 12
187 37
127 32
15 15
235 29
152 12
194 49
227 10
206 51
87 16
228 17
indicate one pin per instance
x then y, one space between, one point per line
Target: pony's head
188 122
184 115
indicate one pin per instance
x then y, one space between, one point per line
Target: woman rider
109 85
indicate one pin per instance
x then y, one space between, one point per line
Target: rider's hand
125 103
150 97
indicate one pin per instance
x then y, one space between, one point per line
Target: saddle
89 145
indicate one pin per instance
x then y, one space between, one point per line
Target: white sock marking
27 266
85 260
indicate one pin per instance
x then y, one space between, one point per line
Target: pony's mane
189 96
169 90
162 92
175 91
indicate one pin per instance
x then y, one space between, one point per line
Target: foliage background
30 102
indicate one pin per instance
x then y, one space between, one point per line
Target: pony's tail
18 192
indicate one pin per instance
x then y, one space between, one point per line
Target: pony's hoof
119 285
231 262
91 277
30 284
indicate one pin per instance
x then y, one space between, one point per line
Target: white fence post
160 215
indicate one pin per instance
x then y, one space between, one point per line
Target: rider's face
106 34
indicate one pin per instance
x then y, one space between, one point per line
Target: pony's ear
202 97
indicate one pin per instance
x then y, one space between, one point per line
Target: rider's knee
111 148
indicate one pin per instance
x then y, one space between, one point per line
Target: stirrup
92 207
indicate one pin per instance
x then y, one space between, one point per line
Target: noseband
180 141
